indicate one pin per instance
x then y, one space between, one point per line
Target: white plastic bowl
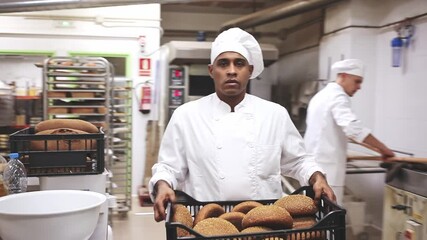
50 215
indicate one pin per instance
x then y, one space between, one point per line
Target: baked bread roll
298 205
66 123
83 110
215 227
256 229
57 110
182 215
245 207
70 144
307 222
235 218
210 210
303 222
313 235
270 216
51 94
83 94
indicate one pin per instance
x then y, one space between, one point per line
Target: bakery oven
405 204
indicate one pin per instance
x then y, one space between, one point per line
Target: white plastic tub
50 215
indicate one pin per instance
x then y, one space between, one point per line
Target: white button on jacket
240 156
330 122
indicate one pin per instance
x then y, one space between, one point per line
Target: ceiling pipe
46 5
276 13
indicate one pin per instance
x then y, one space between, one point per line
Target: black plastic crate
330 221
89 160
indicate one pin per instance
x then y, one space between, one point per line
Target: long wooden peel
392 159
379 158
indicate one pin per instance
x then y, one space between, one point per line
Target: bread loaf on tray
66 123
55 145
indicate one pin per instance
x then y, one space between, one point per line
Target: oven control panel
404 215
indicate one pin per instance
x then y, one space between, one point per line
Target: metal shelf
72 84
97 82
73 115
79 85
74 98
75 74
121 145
78 90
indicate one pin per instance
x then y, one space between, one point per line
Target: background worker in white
331 122
231 145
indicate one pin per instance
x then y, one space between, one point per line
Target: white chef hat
349 66
237 40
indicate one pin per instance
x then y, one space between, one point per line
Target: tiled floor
138 227
369 233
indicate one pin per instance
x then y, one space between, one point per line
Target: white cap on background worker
349 66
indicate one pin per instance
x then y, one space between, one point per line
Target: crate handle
308 189
184 197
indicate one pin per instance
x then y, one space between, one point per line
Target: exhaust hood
193 52
278 12
12 6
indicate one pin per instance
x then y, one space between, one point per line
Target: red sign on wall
144 67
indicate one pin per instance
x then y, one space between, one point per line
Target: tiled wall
392 100
401 111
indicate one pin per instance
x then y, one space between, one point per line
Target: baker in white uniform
331 123
231 145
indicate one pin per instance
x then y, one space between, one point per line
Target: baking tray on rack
330 221
59 161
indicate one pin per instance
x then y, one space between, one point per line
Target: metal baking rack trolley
330 221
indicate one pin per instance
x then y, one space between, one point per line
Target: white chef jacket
330 122
214 154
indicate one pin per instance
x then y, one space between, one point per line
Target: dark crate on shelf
330 221
59 161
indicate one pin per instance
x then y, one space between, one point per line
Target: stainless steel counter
364 167
412 181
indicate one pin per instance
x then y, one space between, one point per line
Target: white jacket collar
221 108
336 86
